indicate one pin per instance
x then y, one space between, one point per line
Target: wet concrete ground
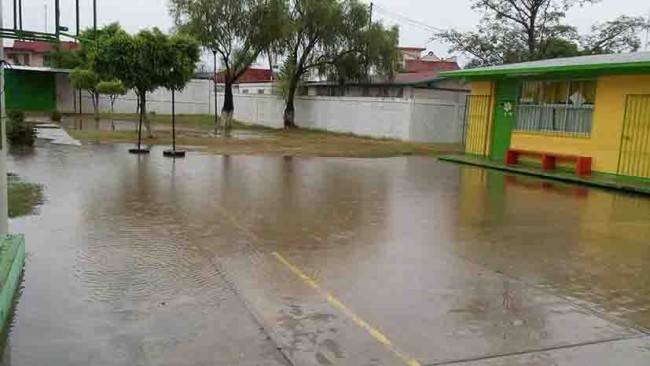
215 260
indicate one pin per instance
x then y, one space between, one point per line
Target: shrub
16 115
19 133
55 116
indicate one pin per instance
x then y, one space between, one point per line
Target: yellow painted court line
381 338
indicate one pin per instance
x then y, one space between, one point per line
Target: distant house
36 54
419 79
253 81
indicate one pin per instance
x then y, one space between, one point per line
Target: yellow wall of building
481 88
607 124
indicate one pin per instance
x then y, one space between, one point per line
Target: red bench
583 163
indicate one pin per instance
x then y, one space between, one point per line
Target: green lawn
24 197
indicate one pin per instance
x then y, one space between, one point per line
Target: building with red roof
251 75
419 73
35 53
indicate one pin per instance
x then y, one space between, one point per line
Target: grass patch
294 142
189 120
192 134
24 197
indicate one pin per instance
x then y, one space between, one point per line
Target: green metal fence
476 124
634 157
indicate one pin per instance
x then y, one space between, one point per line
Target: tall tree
522 30
143 62
238 31
333 38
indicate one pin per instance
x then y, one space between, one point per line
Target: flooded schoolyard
270 260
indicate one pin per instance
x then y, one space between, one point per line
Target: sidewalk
624 184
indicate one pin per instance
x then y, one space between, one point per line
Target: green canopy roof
620 63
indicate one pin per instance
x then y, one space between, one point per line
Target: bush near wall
19 133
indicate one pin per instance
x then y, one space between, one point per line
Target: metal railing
555 118
634 157
476 124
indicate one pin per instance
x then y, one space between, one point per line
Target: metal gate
476 124
634 156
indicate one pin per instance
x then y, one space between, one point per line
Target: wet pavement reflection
142 260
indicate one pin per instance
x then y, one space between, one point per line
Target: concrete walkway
624 184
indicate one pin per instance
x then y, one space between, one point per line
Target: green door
504 118
30 90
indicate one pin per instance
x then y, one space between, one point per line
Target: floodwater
217 260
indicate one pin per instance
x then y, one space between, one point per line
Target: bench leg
583 166
511 157
548 163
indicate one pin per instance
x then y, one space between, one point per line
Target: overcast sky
134 15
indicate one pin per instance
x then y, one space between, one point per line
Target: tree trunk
228 107
137 108
289 110
112 120
95 99
143 110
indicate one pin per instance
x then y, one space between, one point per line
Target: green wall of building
30 90
504 118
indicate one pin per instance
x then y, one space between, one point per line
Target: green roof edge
631 66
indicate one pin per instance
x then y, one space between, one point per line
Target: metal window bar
535 113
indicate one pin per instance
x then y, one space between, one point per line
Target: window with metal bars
556 107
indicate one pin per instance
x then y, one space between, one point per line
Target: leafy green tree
238 31
66 59
185 56
333 38
87 80
523 30
144 62
113 89
617 35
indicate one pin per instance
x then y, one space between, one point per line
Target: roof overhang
37 69
623 68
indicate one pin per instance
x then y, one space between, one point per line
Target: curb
562 178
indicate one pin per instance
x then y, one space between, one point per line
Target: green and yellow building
596 107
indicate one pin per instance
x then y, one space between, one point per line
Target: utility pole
4 202
15 14
372 6
45 17
57 18
78 26
216 116
95 15
77 14
20 14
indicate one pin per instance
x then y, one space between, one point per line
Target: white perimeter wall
432 116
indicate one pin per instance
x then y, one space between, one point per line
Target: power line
416 23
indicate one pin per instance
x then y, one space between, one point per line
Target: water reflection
147 260
591 245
